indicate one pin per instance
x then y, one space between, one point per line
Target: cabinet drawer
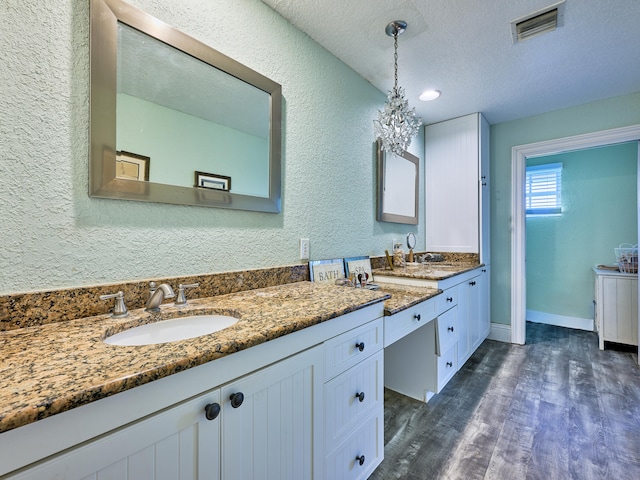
345 350
352 396
446 300
447 366
446 330
402 323
344 462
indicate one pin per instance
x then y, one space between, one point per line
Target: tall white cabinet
457 186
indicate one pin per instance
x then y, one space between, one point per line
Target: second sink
172 330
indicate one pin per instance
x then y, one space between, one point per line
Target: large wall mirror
175 121
398 187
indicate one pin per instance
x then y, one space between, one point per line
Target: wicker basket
627 258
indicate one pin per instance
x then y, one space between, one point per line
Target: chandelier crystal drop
397 124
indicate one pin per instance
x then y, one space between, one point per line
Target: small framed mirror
398 187
180 110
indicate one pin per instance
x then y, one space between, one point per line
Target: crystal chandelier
397 124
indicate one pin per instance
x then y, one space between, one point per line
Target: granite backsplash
39 308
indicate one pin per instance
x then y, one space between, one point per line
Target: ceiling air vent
542 21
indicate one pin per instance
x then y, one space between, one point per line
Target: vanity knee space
420 360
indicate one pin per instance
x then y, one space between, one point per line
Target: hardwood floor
555 408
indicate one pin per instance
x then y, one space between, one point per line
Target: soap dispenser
398 256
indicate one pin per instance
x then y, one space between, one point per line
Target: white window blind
543 189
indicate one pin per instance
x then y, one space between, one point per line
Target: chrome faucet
158 295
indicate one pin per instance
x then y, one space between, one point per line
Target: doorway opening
519 155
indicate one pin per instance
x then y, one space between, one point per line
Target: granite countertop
427 271
56 367
405 296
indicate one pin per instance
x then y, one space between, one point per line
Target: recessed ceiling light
429 95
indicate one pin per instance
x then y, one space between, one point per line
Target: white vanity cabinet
616 307
293 389
421 363
457 186
269 434
354 402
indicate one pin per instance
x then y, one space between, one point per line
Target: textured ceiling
464 48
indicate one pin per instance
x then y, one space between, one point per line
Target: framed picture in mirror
131 166
212 181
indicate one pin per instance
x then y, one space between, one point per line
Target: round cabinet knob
360 346
449 364
236 399
360 396
211 411
417 316
450 329
360 459
449 299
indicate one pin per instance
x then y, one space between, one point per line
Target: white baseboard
560 320
500 332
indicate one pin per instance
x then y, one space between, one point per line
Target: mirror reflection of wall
172 111
399 196
398 187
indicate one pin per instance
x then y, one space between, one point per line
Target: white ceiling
464 48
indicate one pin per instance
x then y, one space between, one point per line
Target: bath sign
326 271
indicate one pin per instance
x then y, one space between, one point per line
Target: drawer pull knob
472 283
450 329
449 364
236 399
360 346
211 411
360 396
360 459
449 299
417 316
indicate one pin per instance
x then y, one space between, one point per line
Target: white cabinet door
177 444
477 318
620 309
276 431
485 224
485 303
451 185
457 186
469 294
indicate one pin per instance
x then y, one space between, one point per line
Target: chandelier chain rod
395 60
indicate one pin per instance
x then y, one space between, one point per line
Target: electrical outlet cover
304 249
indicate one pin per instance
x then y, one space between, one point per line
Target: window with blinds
542 190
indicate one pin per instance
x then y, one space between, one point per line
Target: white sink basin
172 330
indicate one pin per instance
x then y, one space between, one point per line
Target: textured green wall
592 117
53 235
599 211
